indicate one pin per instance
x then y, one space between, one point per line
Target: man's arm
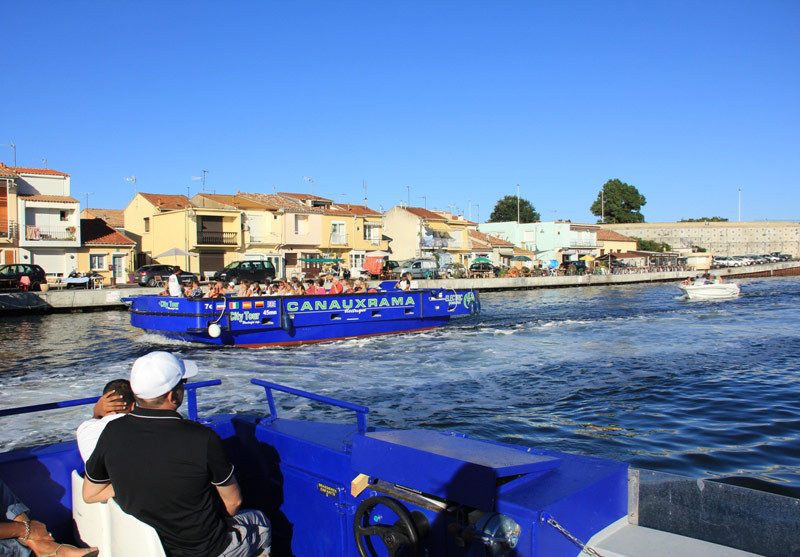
97 493
231 495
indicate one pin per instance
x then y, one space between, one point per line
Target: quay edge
107 299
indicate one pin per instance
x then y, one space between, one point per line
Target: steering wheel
402 533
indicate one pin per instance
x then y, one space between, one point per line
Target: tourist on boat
336 286
360 287
20 536
349 286
165 292
321 286
405 282
174 283
196 291
244 289
161 464
311 287
117 400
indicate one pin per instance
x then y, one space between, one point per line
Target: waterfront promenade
77 300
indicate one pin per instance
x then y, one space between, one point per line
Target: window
357 259
301 224
372 232
147 224
97 261
64 216
338 233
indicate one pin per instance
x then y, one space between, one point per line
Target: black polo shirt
164 470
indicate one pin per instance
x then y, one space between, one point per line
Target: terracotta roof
610 236
489 239
348 209
281 202
305 196
98 232
7 171
50 198
237 201
44 171
425 214
114 217
167 202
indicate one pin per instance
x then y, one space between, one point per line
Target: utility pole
740 204
408 197
364 184
309 179
517 203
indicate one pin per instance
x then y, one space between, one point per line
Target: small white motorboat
710 290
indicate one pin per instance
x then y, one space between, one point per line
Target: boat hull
291 320
714 291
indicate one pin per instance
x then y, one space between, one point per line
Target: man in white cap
172 473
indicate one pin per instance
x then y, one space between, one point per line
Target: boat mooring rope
546 518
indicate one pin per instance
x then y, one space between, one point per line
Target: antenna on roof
13 146
44 163
203 178
364 184
132 179
309 179
87 194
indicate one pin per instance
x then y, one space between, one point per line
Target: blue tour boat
288 320
347 489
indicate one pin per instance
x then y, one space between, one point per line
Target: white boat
710 291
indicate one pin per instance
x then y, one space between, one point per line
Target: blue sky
455 101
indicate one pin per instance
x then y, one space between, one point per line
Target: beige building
720 238
106 251
610 241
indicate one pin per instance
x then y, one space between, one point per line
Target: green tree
706 219
651 245
621 204
505 210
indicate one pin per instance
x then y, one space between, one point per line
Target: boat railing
361 411
191 402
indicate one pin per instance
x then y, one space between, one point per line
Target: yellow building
351 232
610 241
106 251
456 248
139 215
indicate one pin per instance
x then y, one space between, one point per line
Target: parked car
451 270
483 268
151 275
419 268
11 274
254 271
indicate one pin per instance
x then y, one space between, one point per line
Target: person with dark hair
162 466
117 400
321 286
20 536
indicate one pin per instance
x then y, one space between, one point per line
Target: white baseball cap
156 373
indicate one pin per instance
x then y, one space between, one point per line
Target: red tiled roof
356 210
489 239
305 196
281 202
114 217
98 232
167 202
425 214
44 171
611 236
50 198
7 171
238 201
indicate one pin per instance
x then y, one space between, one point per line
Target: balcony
50 233
339 239
209 238
434 242
8 229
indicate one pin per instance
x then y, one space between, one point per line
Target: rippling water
633 373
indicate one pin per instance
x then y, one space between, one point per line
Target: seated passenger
172 473
244 289
336 286
117 400
20 536
349 286
321 286
196 292
311 287
405 282
360 287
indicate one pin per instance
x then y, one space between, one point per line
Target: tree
505 210
706 219
651 245
621 204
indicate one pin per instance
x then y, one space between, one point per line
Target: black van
254 271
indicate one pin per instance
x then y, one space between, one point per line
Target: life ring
474 307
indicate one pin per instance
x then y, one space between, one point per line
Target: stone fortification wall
720 238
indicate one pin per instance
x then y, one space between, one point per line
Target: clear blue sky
460 101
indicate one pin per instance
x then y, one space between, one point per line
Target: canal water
633 373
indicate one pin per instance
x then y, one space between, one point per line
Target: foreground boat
289 320
710 291
342 489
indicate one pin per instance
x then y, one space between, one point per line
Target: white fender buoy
214 330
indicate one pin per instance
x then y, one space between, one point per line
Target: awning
437 226
320 259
